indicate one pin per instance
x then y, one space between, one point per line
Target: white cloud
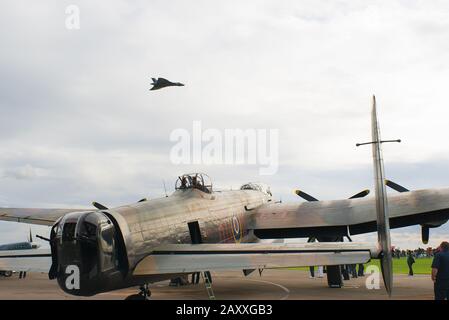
24 172
407 238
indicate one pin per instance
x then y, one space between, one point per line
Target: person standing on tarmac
410 262
440 272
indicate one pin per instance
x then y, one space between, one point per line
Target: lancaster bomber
198 229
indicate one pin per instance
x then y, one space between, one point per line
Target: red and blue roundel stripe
236 229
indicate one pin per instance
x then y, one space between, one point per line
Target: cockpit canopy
198 181
257 187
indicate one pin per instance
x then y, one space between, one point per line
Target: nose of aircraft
87 252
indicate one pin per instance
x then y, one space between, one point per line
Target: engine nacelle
425 229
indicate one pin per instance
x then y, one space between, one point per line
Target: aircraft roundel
236 229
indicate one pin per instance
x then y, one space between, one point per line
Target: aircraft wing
306 219
33 260
45 217
185 258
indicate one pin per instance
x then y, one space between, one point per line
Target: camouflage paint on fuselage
222 217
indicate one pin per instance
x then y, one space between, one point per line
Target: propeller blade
383 220
99 206
386 264
425 234
31 236
305 196
308 197
395 186
361 194
142 200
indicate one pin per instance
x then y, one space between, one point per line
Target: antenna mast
165 189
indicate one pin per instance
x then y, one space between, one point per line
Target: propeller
395 186
383 219
99 206
310 198
30 239
361 194
305 196
386 259
424 228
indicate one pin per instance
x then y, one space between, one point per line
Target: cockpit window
107 241
257 187
251 186
107 237
198 181
68 232
89 229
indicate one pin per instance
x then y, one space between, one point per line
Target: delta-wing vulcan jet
197 229
160 83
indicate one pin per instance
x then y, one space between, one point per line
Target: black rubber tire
136 296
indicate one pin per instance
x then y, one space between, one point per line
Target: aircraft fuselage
106 245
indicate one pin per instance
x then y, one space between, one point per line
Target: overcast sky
78 123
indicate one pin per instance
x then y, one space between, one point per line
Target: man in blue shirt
440 272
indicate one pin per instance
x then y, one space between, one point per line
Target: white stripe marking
274 284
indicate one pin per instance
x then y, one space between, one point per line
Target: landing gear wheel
136 296
145 291
7 274
143 295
